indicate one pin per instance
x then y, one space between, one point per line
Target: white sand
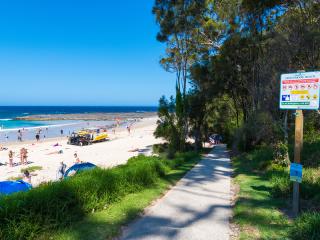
105 154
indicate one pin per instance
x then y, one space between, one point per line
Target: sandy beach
106 154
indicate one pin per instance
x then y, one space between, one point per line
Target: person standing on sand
21 155
129 129
37 137
19 136
61 132
10 158
25 156
61 170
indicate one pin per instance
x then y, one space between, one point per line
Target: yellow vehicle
88 136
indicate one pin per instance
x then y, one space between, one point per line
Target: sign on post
300 90
296 172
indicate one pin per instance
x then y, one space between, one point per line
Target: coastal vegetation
112 196
31 169
228 57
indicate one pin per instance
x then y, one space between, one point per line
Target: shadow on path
197 208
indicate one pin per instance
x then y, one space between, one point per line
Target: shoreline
53 124
45 154
88 116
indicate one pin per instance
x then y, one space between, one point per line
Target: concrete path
197 208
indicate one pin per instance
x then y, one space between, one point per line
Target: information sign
296 172
300 90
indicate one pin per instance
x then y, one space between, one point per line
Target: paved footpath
197 208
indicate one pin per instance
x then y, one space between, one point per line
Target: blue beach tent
79 168
9 187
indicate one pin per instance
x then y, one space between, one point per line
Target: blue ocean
9 113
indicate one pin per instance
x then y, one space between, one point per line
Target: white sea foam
37 127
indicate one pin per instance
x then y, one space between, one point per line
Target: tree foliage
233 53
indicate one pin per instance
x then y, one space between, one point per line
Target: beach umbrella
79 168
9 187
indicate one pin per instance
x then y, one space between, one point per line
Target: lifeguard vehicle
88 136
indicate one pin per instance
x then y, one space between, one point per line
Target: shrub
280 182
261 158
280 154
311 154
160 148
307 226
310 186
24 215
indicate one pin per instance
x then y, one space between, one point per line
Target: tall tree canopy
232 52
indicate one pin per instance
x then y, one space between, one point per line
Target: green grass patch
14 178
64 210
257 210
31 169
307 226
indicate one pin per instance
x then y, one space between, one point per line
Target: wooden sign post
297 158
299 91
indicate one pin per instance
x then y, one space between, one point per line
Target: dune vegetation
55 206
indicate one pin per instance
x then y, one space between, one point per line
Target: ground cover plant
57 206
31 169
265 194
256 210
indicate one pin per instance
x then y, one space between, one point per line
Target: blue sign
296 172
285 98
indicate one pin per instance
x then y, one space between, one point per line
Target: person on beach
19 135
38 137
61 170
27 176
77 160
21 155
61 132
10 158
129 129
25 156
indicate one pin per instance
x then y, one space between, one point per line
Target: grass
307 226
99 201
14 178
265 188
31 169
107 224
257 210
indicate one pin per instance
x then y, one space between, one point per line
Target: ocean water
49 129
8 113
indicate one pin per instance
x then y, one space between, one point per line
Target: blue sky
73 52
